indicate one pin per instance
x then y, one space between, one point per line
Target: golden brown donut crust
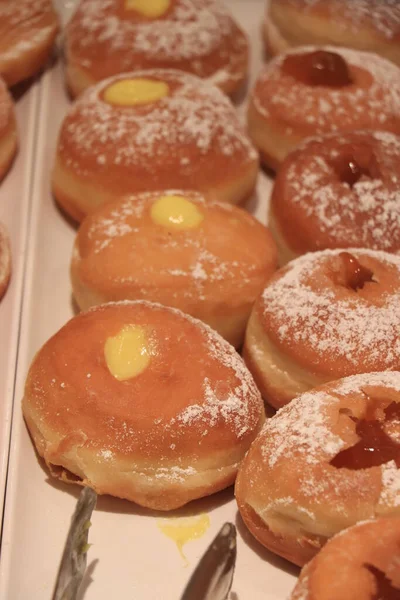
190 139
313 208
8 130
214 271
372 25
340 570
5 260
173 433
28 29
290 496
196 36
313 328
283 111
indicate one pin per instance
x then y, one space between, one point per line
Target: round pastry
318 90
5 260
338 191
8 130
325 315
142 402
328 460
148 131
372 25
28 29
181 249
361 563
196 36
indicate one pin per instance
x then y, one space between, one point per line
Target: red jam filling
374 447
385 589
355 275
318 68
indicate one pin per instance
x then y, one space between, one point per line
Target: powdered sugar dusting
390 494
190 30
374 98
331 321
366 215
194 118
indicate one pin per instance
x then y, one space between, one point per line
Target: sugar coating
22 17
371 101
189 30
383 15
195 117
302 431
5 256
346 325
366 214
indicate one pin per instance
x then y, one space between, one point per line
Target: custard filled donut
338 191
361 563
196 36
5 260
142 402
325 315
318 90
148 131
28 29
181 249
372 25
8 130
323 463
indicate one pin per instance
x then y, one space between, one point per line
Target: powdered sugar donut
8 130
338 191
372 25
325 315
155 407
357 564
28 29
151 130
182 249
105 38
312 91
5 260
328 460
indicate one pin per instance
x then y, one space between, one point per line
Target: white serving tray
130 557
15 197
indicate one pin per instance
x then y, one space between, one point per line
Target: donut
28 29
372 25
360 563
142 402
317 90
147 131
196 36
324 462
325 315
181 249
5 260
8 130
338 191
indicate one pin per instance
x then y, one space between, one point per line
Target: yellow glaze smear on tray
128 353
184 529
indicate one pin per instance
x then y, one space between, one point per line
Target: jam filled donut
28 29
325 315
338 191
318 90
372 25
361 563
142 402
207 258
5 260
8 130
329 459
148 131
195 36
